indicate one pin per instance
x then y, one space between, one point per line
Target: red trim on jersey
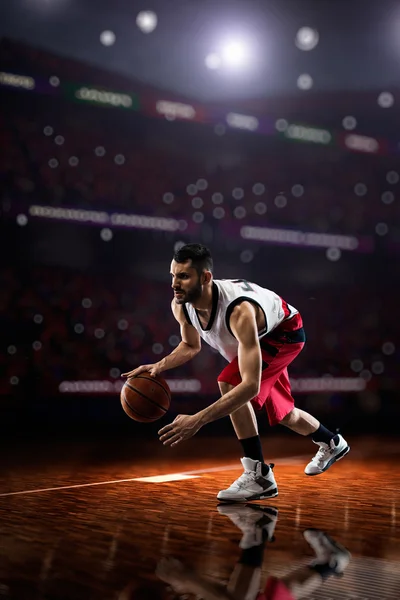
286 308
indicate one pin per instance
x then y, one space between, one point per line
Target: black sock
324 435
253 557
252 449
324 570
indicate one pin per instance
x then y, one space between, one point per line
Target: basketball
145 398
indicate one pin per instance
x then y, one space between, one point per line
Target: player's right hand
153 369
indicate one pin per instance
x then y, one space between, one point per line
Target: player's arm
243 324
189 346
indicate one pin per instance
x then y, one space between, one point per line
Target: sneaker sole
271 494
341 455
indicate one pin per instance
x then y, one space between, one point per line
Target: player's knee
224 388
290 418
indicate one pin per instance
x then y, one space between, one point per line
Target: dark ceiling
359 45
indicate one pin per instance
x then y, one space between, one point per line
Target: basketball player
259 334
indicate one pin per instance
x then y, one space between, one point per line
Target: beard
191 295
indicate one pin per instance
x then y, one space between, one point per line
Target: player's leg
244 419
258 480
245 424
332 446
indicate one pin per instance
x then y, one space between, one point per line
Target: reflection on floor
92 523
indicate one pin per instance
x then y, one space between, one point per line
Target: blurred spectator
68 154
62 325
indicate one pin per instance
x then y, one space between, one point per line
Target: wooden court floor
127 520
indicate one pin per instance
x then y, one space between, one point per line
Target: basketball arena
266 132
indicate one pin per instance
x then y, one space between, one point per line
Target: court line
279 461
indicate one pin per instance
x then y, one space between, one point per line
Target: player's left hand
181 429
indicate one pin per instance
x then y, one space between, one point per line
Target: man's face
185 282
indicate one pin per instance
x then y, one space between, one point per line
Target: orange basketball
145 398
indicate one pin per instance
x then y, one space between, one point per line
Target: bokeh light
307 38
147 21
305 82
386 100
107 38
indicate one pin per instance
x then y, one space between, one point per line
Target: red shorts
275 589
278 349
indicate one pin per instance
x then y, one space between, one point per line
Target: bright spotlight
213 61
234 54
307 38
146 21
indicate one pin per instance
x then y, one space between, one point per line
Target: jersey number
246 287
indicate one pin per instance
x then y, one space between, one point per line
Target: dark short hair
199 255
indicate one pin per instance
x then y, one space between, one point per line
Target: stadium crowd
60 324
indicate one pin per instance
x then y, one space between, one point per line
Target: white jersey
227 293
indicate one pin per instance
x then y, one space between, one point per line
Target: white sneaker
257 523
251 485
327 551
326 456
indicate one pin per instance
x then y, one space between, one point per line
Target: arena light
54 81
242 121
381 229
280 201
385 99
246 256
281 125
97 217
392 177
106 234
197 202
361 143
198 217
239 212
258 189
22 220
305 82
308 134
388 348
299 238
107 38
146 21
333 254
299 385
235 53
260 208
213 61
17 81
349 122
307 38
